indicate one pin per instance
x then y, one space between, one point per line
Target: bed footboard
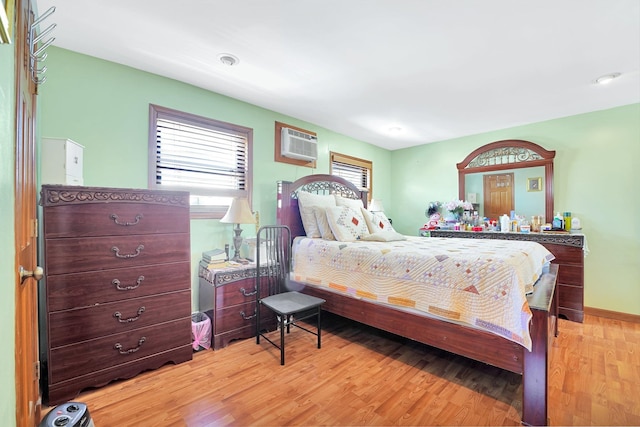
472 343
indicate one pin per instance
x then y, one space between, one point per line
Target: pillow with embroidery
354 204
306 202
346 224
376 221
323 223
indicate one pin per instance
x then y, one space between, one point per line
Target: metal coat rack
37 48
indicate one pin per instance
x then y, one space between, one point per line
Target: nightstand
228 297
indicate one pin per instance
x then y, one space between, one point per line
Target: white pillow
354 204
346 224
377 221
323 223
384 236
306 202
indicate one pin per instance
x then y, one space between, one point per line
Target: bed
455 337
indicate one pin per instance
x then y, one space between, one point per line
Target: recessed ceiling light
607 78
395 130
228 59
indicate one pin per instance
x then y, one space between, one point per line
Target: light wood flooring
362 376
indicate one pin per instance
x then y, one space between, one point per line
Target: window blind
192 156
357 171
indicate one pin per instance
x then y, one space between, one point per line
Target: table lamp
376 206
238 213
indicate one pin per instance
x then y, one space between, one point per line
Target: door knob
37 273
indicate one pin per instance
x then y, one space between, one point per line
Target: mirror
523 167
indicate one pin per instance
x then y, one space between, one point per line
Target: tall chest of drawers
116 299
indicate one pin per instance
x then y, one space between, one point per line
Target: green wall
7 260
597 159
105 107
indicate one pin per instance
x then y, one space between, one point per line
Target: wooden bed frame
455 338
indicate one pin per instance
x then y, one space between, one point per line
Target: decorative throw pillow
346 224
306 202
354 204
376 221
323 223
384 236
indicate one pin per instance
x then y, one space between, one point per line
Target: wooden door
28 400
498 194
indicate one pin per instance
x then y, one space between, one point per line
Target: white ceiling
437 69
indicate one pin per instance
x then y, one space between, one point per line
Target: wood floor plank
362 376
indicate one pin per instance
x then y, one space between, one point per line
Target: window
355 170
209 158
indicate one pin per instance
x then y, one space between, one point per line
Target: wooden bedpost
544 327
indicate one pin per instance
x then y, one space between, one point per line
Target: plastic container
505 223
567 221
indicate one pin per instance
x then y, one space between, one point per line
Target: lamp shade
376 206
239 212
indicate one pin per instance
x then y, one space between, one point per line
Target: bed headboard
287 211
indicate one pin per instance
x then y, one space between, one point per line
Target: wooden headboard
287 211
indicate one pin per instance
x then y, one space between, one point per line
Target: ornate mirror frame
509 154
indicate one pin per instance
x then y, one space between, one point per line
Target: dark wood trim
277 152
57 195
616 315
546 161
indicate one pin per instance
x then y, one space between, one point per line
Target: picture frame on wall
6 20
534 184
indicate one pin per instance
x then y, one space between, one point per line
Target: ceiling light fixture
395 130
228 59
607 78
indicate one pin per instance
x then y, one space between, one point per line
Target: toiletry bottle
504 223
558 222
567 221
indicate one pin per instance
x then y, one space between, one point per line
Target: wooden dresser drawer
566 254
67 390
570 297
91 356
571 275
71 255
98 287
235 317
114 219
236 293
82 324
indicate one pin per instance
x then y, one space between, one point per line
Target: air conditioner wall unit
299 145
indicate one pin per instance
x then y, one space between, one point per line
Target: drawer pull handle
118 316
248 294
126 256
245 317
114 217
118 347
116 283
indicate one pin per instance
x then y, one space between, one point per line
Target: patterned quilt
482 283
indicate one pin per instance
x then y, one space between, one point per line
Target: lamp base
237 243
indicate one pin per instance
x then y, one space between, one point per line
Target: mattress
481 283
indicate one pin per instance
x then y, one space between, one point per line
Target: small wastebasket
200 331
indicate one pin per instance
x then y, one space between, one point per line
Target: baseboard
626 317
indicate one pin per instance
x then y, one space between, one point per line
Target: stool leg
257 322
319 327
282 322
